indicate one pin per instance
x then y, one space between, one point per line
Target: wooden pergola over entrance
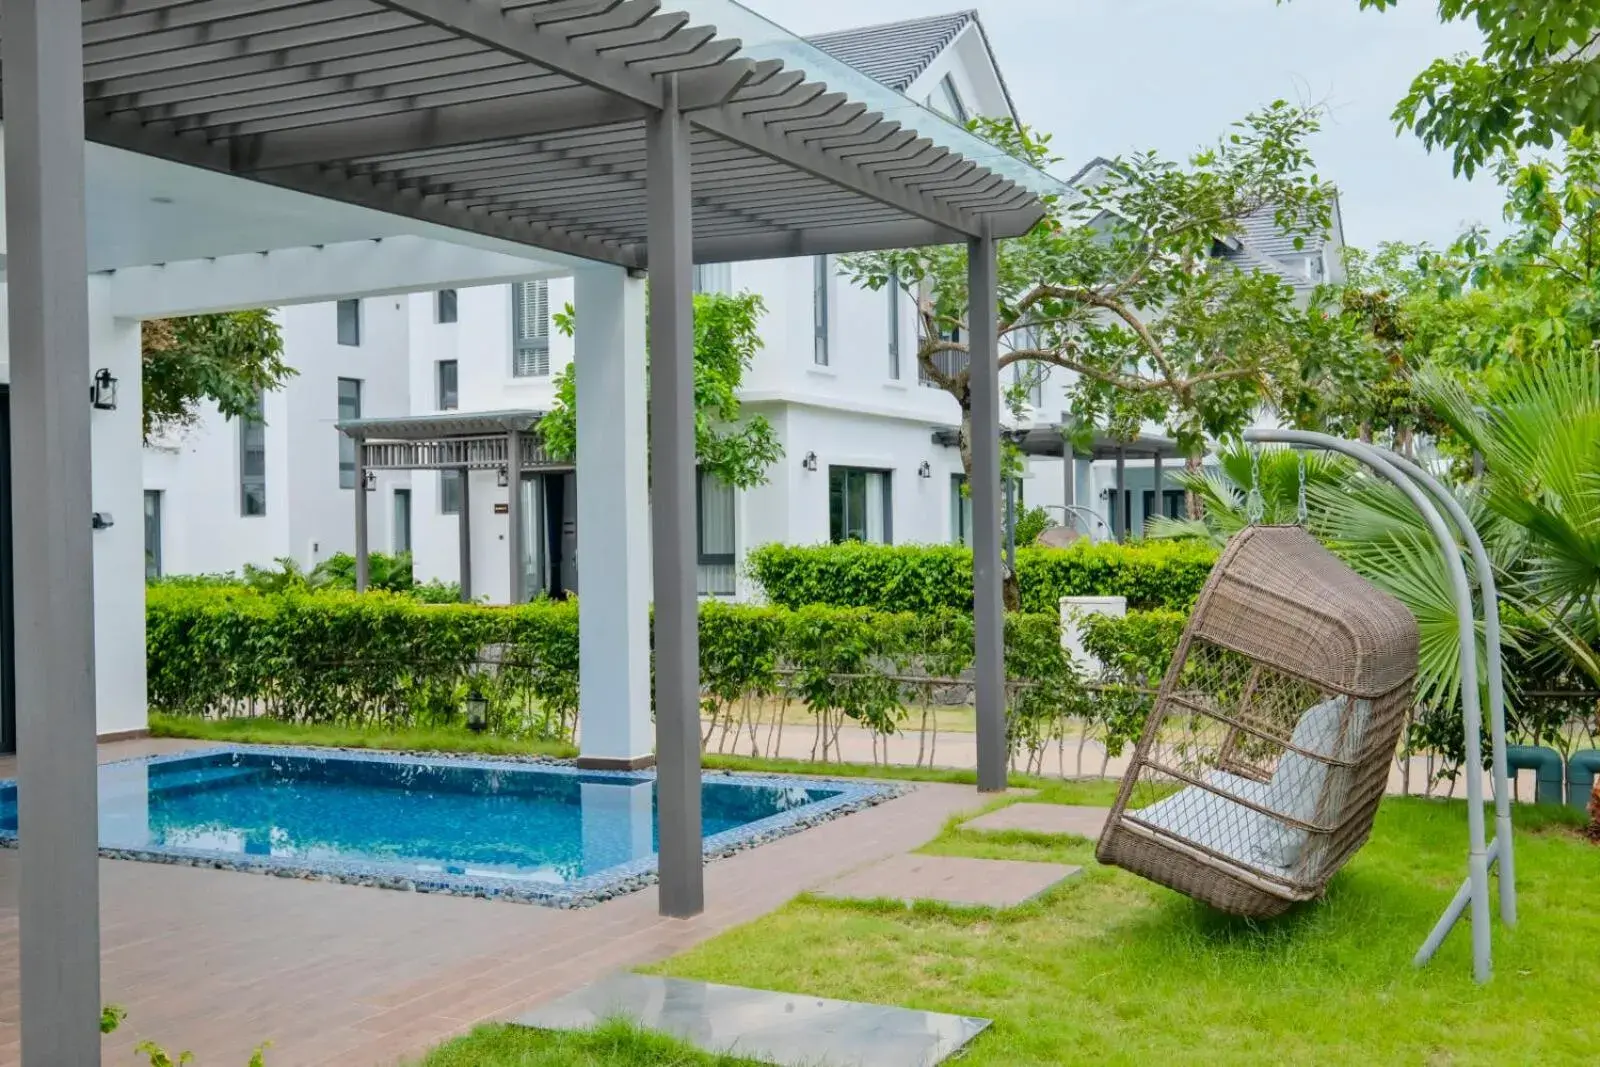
504 441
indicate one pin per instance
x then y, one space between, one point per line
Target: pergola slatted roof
525 120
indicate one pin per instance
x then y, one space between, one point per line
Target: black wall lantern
810 462
103 391
926 470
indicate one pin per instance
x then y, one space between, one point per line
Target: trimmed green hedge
923 578
386 660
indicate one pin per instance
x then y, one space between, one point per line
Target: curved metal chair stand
1474 892
1281 713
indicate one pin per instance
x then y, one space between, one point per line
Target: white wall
118 550
309 517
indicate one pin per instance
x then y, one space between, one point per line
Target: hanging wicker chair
1278 719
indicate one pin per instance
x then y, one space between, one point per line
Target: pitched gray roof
895 53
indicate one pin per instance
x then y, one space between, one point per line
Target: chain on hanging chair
1277 721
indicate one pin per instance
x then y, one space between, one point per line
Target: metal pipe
1496 678
1581 769
1472 715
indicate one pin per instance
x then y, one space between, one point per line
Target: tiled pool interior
538 832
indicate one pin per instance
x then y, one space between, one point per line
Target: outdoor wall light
477 706
810 462
502 478
103 392
926 470
370 480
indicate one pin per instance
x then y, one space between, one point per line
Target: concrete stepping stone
785 1029
949 880
1043 819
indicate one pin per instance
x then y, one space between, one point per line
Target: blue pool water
492 827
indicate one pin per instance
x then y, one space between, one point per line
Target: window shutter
530 324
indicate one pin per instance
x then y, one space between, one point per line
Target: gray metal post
987 597
464 535
1502 846
58 889
1478 852
519 592
1011 524
1119 506
363 547
677 638
1159 477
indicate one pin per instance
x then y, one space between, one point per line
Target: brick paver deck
949 880
217 961
1043 819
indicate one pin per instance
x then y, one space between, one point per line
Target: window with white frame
714 535
960 511
152 533
948 101
530 329
449 374
253 459
444 306
860 505
894 327
820 276
450 491
349 408
402 521
348 313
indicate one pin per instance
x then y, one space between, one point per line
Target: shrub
927 578
385 660
1032 523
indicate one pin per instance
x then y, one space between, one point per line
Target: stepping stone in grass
784 1029
954 880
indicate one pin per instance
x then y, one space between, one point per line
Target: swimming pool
537 832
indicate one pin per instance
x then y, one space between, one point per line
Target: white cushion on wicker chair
1211 821
1297 785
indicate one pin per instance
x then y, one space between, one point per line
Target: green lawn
1110 970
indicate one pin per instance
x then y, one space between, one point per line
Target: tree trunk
1010 591
1191 500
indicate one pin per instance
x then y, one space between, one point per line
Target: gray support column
58 899
1119 506
464 535
518 585
987 603
363 545
1161 503
671 235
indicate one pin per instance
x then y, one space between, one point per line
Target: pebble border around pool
850 796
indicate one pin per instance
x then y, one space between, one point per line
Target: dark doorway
8 674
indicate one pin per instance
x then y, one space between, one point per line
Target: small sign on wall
502 508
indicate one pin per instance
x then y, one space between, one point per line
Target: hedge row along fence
924 578
386 660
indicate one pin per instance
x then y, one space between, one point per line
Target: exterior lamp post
477 710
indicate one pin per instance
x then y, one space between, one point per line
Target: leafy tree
226 358
1537 80
734 448
1120 286
1475 310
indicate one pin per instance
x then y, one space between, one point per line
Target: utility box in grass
1074 609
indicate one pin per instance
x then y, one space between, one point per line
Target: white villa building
837 378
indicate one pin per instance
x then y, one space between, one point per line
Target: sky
1113 76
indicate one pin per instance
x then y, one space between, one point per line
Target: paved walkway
217 961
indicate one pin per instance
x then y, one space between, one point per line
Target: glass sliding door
535 537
